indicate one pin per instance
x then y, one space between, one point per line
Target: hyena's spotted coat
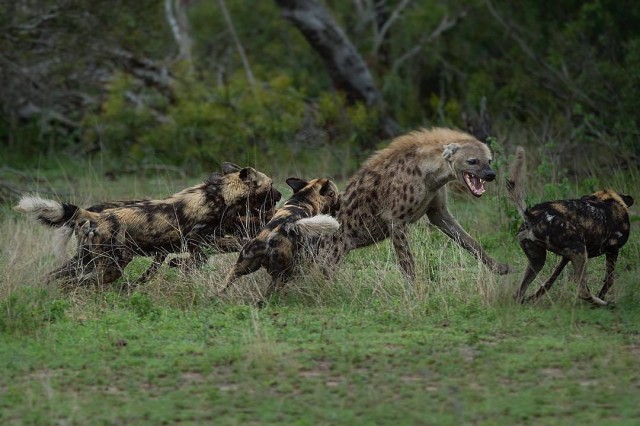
403 182
187 220
278 246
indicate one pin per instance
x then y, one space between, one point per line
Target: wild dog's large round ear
248 174
628 200
296 184
449 150
329 188
228 168
214 177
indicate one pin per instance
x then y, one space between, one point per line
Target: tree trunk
345 66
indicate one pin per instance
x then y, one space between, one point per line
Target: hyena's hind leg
552 279
403 251
328 254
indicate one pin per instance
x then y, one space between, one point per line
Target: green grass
369 348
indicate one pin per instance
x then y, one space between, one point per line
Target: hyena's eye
472 161
331 194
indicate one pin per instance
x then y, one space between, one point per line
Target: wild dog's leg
249 261
280 262
441 218
278 280
554 276
612 258
537 255
579 261
403 250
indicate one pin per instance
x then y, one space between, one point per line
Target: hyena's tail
515 183
49 212
315 226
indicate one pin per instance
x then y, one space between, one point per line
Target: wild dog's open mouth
474 183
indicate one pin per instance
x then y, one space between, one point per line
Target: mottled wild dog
577 229
401 183
278 246
187 220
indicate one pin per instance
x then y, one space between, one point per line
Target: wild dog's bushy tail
515 183
49 212
315 226
54 214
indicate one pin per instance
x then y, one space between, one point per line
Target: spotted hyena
576 229
399 184
279 245
109 238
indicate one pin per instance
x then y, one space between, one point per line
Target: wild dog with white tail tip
305 216
110 237
576 229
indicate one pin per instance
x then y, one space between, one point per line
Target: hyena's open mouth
474 183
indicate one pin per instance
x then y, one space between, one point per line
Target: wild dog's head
246 187
322 193
470 162
609 196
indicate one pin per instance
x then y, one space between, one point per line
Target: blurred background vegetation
188 84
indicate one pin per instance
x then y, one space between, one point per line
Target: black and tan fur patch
277 247
576 229
110 237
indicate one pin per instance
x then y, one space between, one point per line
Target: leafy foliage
564 72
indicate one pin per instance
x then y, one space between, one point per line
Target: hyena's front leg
442 219
403 251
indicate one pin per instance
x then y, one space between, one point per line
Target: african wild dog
242 230
403 182
577 229
279 245
189 219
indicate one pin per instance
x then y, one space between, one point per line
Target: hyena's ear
228 168
248 174
449 150
628 200
296 184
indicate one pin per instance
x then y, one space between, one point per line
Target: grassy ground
369 348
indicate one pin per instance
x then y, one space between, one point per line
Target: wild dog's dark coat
575 229
278 245
111 237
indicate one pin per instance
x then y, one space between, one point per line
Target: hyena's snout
487 174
